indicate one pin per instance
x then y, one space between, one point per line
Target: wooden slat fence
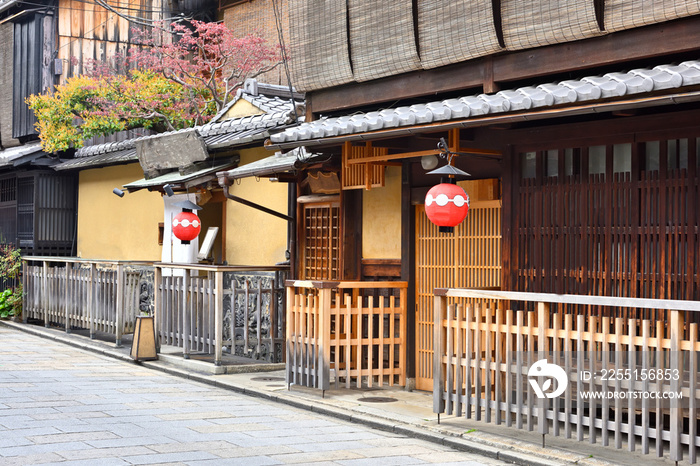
484 355
348 330
102 296
190 308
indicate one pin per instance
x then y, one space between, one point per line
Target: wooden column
219 317
157 303
67 301
677 325
439 311
119 310
408 267
184 302
322 334
45 293
542 326
91 300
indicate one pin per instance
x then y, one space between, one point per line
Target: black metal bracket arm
259 207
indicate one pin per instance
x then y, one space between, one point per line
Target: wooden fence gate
469 257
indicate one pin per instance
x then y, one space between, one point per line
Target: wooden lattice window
321 240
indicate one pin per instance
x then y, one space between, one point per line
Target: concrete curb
516 454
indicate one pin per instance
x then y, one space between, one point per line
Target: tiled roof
108 158
11 155
274 164
611 85
229 133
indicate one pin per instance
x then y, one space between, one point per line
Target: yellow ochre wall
116 228
254 237
381 218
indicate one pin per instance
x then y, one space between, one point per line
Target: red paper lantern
186 226
446 204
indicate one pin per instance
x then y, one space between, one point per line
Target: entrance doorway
468 258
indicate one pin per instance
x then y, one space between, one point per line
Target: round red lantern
446 204
186 226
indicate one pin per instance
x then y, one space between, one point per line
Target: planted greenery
10 268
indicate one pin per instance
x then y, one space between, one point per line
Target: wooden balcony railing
102 296
190 305
484 357
352 331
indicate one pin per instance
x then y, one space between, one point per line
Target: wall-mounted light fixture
118 192
168 190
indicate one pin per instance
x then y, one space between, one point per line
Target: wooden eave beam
408 155
673 37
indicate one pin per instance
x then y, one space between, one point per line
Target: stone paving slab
410 416
157 425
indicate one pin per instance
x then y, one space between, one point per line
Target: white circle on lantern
185 223
459 200
442 200
195 223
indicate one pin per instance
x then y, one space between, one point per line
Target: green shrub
10 268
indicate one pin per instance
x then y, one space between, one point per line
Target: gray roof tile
590 88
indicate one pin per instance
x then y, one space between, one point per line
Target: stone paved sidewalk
60 404
409 415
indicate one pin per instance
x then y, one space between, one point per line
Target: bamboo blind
539 23
626 14
88 31
382 39
471 257
319 53
451 32
362 175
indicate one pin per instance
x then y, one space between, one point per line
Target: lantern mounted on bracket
187 225
447 204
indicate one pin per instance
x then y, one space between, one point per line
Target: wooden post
66 303
45 293
439 310
542 326
289 360
119 311
323 334
25 269
403 297
186 327
91 300
157 303
219 316
676 427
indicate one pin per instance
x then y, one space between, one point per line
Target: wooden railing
190 305
346 330
483 358
102 296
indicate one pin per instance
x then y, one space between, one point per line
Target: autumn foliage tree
175 78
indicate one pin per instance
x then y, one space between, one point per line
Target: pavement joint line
435 435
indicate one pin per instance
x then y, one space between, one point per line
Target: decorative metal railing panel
204 309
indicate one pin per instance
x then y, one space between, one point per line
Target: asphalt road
59 404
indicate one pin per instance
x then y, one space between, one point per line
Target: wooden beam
673 37
407 155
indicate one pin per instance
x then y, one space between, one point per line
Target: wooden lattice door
321 240
468 258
